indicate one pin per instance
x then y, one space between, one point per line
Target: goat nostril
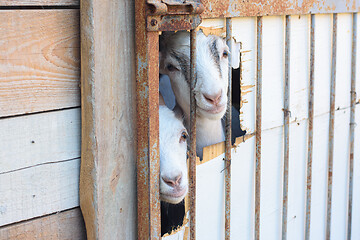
169 182
178 180
208 99
174 181
213 99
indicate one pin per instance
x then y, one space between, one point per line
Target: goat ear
235 54
161 63
161 100
178 112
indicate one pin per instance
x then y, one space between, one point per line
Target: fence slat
40 3
58 226
39 61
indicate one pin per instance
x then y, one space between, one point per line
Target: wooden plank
39 138
39 3
108 168
39 60
65 225
39 190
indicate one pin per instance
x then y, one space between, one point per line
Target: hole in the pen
236 130
174 85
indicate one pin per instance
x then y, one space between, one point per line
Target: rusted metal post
258 125
147 92
310 128
331 127
352 122
192 160
228 138
286 127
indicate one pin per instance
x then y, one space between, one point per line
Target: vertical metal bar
228 137
258 125
286 126
192 160
154 144
331 127
310 127
147 92
352 122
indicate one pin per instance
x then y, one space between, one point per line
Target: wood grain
39 138
39 3
108 157
39 60
67 225
39 190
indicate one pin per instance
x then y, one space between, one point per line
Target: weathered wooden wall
40 121
40 117
108 173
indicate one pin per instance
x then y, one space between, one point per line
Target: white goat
211 81
173 146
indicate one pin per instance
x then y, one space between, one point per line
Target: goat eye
171 68
225 54
184 136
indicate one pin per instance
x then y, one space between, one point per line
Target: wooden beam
108 167
59 226
39 60
39 3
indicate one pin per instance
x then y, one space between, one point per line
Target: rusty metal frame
352 122
228 137
234 8
331 126
259 23
310 127
286 127
147 87
152 16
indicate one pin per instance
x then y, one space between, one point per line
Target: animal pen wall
298 80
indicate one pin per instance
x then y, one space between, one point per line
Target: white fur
172 156
210 82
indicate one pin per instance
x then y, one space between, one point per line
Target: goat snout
173 181
213 99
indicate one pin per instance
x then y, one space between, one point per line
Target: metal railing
154 16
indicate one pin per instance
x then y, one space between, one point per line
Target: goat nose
214 98
173 182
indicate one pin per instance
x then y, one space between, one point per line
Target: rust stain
246 8
115 176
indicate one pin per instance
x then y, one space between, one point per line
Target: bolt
153 22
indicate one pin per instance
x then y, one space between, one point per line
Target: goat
211 81
173 168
